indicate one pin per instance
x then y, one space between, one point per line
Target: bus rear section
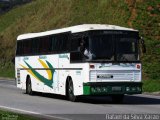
109 78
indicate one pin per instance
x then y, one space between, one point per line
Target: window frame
38 51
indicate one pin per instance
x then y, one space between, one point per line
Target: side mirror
143 45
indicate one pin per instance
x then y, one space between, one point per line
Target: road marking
31 112
9 80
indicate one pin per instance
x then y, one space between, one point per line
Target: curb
152 93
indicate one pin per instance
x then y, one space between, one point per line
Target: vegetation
41 15
151 85
5 115
147 21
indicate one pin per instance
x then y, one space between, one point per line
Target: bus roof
74 29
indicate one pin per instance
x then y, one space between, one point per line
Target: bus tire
29 86
70 91
117 98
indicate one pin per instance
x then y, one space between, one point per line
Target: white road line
9 80
31 112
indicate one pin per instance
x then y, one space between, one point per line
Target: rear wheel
70 91
29 86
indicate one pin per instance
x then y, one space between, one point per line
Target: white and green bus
88 59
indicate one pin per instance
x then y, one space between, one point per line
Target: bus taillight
138 66
91 66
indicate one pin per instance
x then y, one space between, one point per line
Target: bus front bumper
109 88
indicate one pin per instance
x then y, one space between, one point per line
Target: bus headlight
93 90
98 89
133 88
139 89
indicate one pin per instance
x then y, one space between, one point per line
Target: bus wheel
70 91
117 98
29 86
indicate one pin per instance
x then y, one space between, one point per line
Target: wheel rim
29 87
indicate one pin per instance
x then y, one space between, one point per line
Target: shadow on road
128 100
141 100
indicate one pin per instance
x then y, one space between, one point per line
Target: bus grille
117 75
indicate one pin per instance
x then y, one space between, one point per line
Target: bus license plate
116 88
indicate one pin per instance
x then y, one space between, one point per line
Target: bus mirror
143 45
75 56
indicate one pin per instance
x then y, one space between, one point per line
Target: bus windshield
114 47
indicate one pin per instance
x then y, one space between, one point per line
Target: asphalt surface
49 106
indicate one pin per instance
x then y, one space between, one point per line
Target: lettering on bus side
63 56
42 57
78 72
26 58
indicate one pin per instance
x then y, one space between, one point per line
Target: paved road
56 107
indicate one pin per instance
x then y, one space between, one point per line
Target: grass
7 70
151 85
6 115
8 73
147 22
41 15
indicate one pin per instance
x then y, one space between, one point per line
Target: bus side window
75 42
19 48
59 43
26 47
44 45
35 45
76 55
64 39
54 44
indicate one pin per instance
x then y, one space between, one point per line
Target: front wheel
70 92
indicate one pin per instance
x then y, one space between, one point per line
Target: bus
81 60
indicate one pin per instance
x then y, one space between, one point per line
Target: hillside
41 15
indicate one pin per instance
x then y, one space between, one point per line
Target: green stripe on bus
86 90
